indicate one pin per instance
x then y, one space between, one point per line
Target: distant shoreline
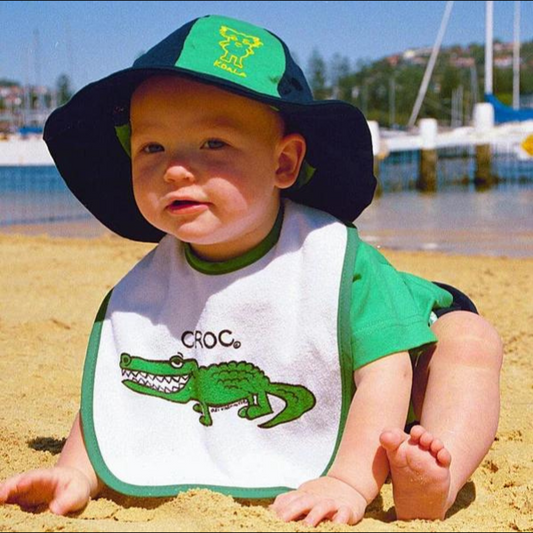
31 150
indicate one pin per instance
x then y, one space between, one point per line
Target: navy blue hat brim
82 141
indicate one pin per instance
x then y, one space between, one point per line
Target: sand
50 289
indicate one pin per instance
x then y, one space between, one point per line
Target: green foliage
317 75
370 87
4 82
64 89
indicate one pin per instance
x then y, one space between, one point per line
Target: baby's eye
214 144
153 148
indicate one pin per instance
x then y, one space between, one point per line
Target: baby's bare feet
420 471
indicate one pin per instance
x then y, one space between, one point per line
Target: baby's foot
420 471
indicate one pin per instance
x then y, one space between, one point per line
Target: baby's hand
320 499
63 489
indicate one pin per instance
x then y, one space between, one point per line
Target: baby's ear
291 155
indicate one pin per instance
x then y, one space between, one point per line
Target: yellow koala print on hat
237 46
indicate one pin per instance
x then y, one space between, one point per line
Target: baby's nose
178 171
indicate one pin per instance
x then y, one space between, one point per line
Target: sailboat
504 113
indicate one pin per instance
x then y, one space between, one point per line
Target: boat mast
430 65
516 56
489 20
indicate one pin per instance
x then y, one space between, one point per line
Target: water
498 221
35 195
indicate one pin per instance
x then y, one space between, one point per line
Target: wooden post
427 177
483 176
483 125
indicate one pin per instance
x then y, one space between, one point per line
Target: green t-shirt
390 310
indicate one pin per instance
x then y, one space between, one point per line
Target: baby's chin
221 250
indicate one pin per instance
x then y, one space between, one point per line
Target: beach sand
50 290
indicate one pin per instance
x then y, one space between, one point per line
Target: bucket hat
88 136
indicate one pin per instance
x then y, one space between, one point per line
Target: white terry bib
236 382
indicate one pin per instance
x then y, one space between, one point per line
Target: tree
339 76
451 79
317 75
63 89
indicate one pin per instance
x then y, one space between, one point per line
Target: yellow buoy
527 144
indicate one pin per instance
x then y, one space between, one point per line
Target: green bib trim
344 334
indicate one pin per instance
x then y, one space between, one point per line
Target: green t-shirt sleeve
390 310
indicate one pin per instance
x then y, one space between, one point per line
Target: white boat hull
18 151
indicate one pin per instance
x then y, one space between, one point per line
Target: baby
261 349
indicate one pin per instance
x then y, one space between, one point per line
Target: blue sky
89 40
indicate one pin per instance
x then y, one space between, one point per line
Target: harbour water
497 221
36 195
456 219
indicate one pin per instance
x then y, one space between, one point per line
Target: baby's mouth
186 206
183 203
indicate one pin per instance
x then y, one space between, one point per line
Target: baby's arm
66 487
360 467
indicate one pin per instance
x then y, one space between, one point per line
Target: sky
89 40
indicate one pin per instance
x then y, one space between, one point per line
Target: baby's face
206 164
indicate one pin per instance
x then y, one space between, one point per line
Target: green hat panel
236 51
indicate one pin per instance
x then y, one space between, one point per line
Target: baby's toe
391 439
416 432
444 457
436 446
426 440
